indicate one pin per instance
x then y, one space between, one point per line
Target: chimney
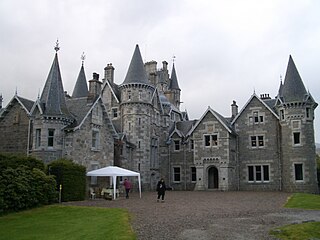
234 109
164 65
94 87
265 96
109 73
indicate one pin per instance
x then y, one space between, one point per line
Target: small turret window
296 138
307 112
50 137
298 171
281 114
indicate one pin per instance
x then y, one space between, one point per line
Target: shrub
23 184
15 161
72 178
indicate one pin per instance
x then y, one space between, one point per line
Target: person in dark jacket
127 186
161 188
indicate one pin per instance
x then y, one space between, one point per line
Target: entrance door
213 178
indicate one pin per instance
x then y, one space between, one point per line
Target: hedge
72 178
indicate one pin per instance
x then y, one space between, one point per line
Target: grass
67 222
309 230
304 201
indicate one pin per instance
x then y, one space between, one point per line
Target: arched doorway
213 178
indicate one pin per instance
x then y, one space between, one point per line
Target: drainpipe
185 165
28 144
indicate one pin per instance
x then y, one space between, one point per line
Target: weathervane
83 57
173 58
280 78
57 48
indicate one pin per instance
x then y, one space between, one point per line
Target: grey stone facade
267 146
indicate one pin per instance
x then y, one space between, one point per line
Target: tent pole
114 187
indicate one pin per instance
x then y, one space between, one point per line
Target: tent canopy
114 172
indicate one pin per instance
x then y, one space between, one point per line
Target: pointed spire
81 87
52 98
136 71
174 81
293 88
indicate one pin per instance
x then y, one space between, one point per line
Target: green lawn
310 230
67 222
304 201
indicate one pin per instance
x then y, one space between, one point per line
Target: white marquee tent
114 172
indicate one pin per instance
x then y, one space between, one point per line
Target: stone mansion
267 145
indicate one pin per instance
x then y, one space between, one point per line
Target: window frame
296 138
50 137
176 145
211 140
95 139
193 174
38 138
258 173
176 174
301 172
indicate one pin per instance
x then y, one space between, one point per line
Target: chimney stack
94 87
234 109
265 96
109 73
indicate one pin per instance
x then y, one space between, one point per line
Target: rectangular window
253 141
307 112
258 173
95 139
176 174
176 145
256 118
260 141
193 174
296 138
191 144
257 141
250 174
140 94
281 114
50 137
114 112
298 171
129 95
214 139
207 140
211 140
38 138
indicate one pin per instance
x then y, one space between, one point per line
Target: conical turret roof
293 88
136 72
174 81
81 87
52 98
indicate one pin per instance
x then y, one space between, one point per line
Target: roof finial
83 57
280 78
57 48
16 93
173 58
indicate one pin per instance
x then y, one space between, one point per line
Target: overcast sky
225 50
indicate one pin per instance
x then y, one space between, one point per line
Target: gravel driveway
207 215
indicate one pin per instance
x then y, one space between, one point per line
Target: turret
295 107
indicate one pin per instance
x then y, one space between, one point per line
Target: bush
15 161
22 188
72 178
23 184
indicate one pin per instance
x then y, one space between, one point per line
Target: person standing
161 188
127 186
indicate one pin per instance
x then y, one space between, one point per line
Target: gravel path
207 215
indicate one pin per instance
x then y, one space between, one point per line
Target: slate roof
293 88
79 108
174 81
28 104
52 100
81 87
136 72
